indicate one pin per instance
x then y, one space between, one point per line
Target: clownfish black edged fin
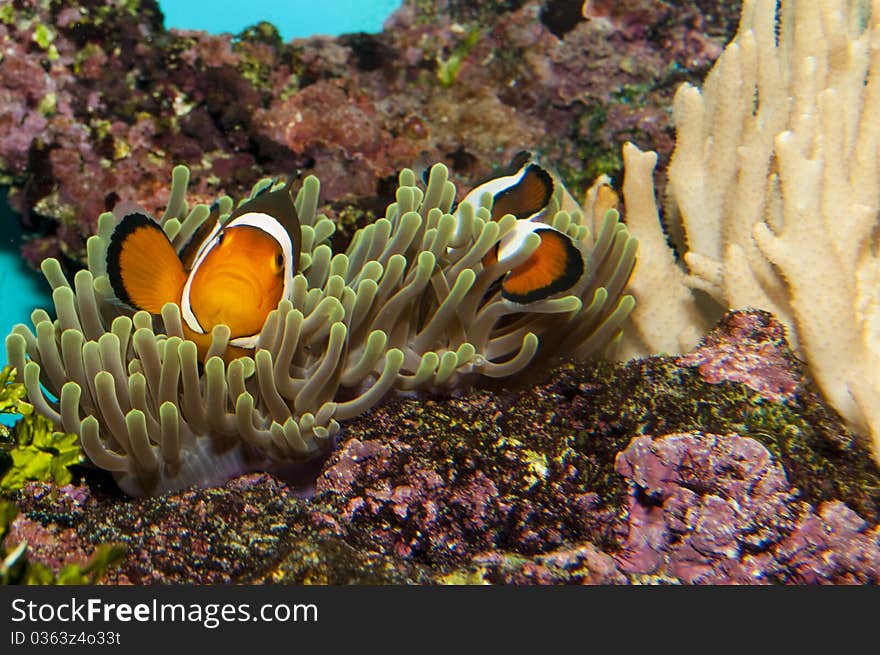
556 265
142 265
529 196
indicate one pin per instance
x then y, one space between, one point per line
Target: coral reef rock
649 472
97 103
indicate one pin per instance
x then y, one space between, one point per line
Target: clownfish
525 189
232 274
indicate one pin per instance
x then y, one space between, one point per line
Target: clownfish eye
277 263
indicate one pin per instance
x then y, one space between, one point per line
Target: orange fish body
237 274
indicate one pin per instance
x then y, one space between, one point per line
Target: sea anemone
409 306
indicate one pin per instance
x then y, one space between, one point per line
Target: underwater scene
443 292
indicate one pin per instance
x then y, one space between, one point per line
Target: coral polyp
409 306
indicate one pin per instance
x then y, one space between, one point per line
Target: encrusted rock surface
99 101
644 472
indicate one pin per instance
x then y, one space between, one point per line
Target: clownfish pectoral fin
144 269
556 265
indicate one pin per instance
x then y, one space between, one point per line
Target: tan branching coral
774 180
408 306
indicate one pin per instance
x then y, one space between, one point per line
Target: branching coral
775 182
408 306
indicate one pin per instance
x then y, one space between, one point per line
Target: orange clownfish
232 274
525 189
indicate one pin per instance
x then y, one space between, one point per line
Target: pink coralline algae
51 545
415 508
750 349
834 544
103 111
342 133
708 508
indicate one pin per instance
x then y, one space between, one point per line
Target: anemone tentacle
408 306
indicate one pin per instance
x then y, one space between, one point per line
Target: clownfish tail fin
145 271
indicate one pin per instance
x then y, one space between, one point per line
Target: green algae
261 32
48 104
632 93
258 69
13 394
250 65
595 155
594 145
33 451
449 67
43 36
349 219
477 575
82 55
52 205
320 560
38 453
537 467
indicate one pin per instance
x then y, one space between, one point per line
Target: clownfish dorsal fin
203 233
513 168
519 161
142 265
556 265
524 188
527 197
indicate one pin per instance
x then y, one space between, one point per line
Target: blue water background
23 290
294 18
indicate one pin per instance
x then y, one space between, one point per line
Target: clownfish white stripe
258 220
231 274
207 242
492 187
513 240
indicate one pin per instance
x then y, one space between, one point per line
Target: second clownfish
232 274
525 189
